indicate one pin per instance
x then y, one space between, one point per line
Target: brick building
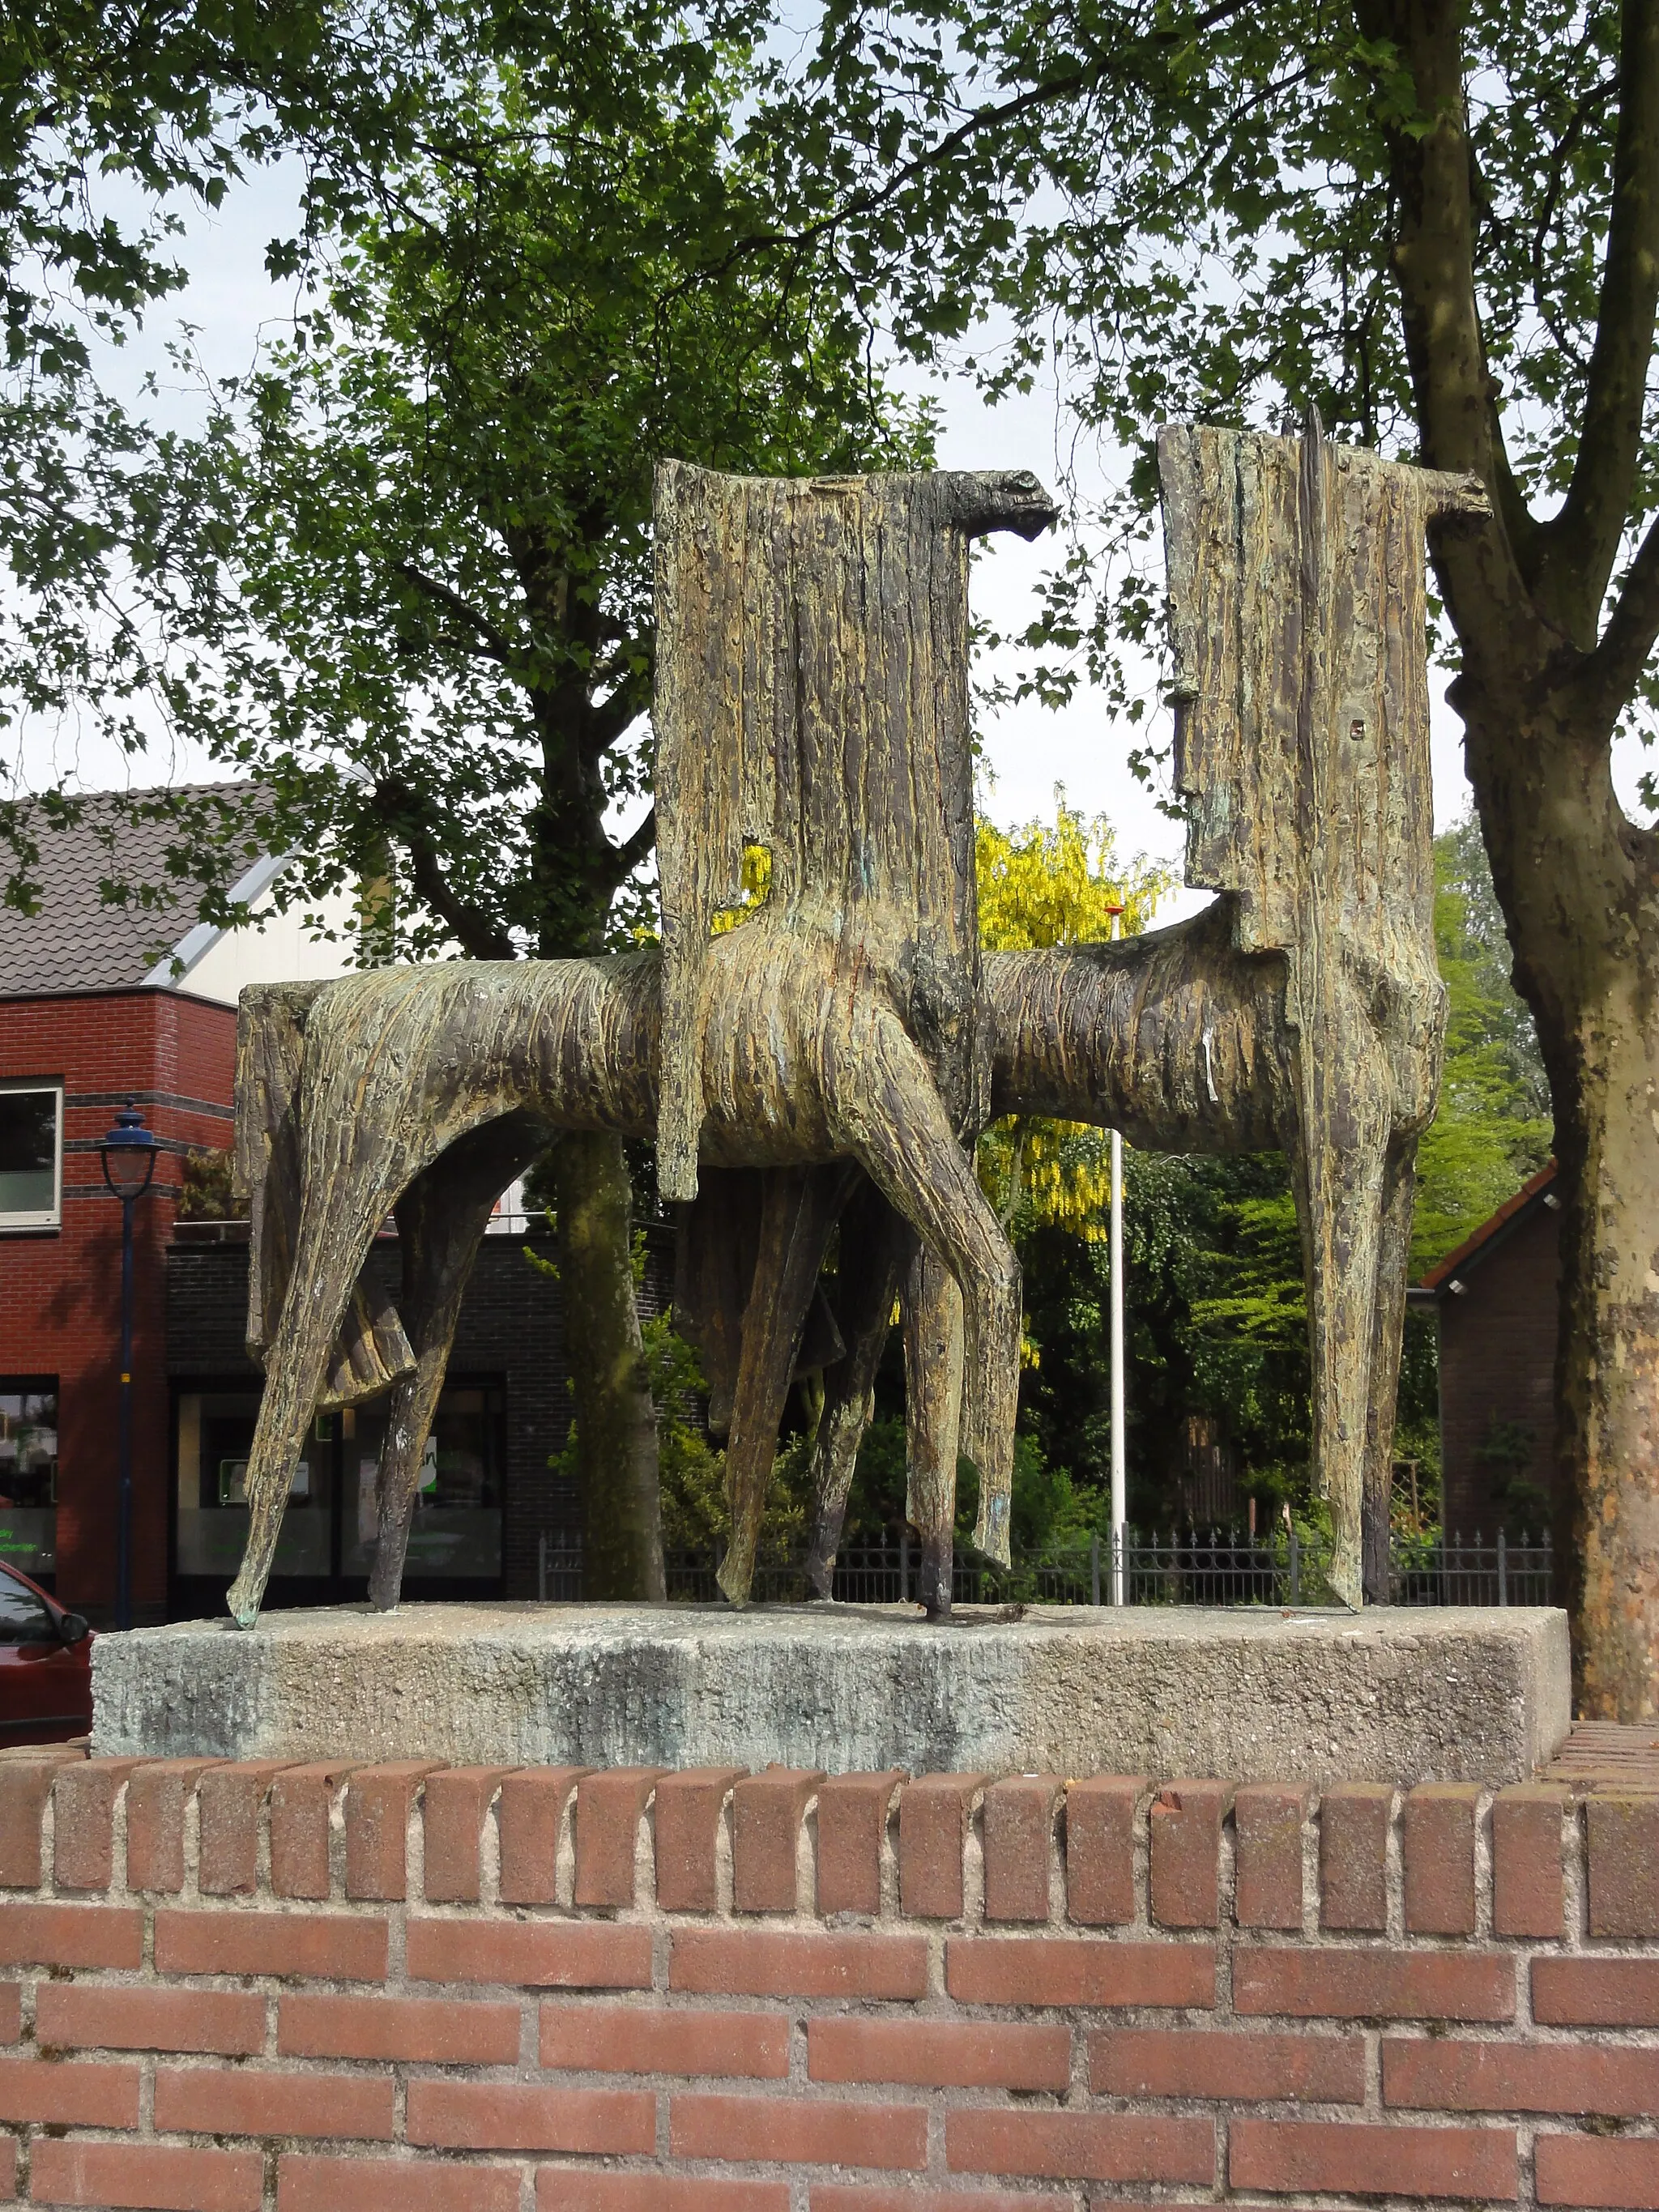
101 1003
66 1062
1494 1300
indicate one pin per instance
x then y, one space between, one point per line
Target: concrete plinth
1395 1694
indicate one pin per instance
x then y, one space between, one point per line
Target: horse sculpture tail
372 1350
271 1043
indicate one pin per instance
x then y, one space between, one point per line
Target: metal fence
1191 1567
1457 1571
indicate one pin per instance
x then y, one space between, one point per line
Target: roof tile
78 940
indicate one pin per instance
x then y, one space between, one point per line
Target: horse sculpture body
812 700
848 1041
812 697
1298 623
424 1091
1184 1044
1174 1037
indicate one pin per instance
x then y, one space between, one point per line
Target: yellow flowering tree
1056 883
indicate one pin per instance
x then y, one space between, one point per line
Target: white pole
1119 1484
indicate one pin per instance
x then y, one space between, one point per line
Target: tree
1058 883
1492 1129
115 121
91 99
1441 224
434 499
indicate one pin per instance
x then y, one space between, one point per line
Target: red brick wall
60 1302
315 1990
1498 1364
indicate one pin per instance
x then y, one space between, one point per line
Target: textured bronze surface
832 1060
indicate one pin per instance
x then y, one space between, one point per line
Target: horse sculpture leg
798 1212
337 1228
876 1245
895 1122
716 1243
441 1219
1393 1263
932 1408
1337 1168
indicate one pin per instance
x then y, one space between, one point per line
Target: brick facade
311 1989
60 1289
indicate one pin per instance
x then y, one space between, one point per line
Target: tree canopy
115 122
439 490
1203 211
1058 883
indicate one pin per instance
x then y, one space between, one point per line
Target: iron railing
1211 1567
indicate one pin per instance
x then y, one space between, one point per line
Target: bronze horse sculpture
576 1044
1309 1012
849 1042
812 697
1170 1036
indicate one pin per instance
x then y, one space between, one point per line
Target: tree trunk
1578 882
1549 667
1608 1362
615 1421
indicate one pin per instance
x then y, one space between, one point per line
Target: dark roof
1530 1194
79 941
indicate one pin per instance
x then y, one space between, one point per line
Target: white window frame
52 1218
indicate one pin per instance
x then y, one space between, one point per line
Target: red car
45 1666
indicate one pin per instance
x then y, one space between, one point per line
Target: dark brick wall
1498 1367
512 1331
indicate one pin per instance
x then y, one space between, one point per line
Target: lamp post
128 1153
1120 1478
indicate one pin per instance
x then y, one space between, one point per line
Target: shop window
28 1473
31 1155
215 1433
330 1527
457 1530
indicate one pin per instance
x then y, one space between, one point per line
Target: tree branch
493 643
477 933
604 722
1565 146
619 672
1520 525
1611 673
1582 540
995 117
636 848
1434 270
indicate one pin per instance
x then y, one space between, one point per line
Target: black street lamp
128 1153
